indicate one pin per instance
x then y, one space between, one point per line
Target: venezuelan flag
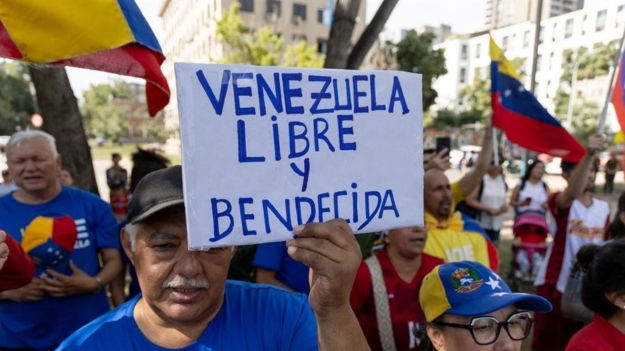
105 35
524 120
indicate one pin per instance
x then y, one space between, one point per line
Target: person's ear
436 337
616 298
127 244
59 161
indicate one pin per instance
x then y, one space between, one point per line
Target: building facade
502 13
190 34
467 57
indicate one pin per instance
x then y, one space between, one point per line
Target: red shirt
406 312
18 270
598 335
119 203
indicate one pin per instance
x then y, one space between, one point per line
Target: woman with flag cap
469 307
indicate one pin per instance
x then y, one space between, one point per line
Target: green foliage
446 118
302 55
597 64
261 47
415 54
478 97
585 116
17 103
102 117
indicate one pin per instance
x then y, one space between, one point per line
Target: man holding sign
187 302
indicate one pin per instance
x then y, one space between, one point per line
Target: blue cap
470 289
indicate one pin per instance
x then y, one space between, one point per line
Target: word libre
268 148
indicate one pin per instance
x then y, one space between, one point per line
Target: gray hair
131 230
18 137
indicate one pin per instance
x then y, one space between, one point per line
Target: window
551 60
504 43
463 73
322 46
568 29
299 12
600 25
274 8
296 38
320 15
526 38
478 48
553 31
541 35
246 5
463 55
584 20
620 16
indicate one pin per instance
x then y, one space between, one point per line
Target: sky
464 16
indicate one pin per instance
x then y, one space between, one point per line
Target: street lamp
569 111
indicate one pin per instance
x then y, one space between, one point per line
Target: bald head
437 194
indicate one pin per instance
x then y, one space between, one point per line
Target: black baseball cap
155 192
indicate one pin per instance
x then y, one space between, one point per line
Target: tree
261 47
415 54
102 117
16 101
447 118
478 97
370 34
62 119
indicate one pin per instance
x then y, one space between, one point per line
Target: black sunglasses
485 330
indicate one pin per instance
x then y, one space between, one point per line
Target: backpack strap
382 308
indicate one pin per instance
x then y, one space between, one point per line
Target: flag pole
539 14
495 149
615 68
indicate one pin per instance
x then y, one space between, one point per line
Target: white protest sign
267 148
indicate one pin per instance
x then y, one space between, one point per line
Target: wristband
100 284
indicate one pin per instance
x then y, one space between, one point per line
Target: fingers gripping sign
333 255
4 249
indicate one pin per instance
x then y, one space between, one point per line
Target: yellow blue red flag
524 120
105 35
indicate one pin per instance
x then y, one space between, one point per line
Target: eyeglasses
485 330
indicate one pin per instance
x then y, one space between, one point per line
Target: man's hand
61 285
494 211
29 293
595 142
4 249
440 160
333 254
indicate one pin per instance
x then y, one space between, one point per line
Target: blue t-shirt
44 324
252 317
274 257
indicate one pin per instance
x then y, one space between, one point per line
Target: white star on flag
507 92
494 283
521 89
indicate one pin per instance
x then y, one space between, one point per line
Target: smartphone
443 143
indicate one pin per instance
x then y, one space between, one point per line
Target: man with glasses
468 306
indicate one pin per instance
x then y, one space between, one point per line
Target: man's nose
189 263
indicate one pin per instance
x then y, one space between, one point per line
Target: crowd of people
431 287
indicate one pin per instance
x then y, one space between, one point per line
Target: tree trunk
339 42
59 108
370 34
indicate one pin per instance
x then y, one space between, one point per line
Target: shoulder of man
106 332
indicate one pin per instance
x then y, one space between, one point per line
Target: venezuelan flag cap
470 289
62 231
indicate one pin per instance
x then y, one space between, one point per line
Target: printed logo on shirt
579 229
83 234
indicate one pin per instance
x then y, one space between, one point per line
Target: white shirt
7 189
493 195
536 192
